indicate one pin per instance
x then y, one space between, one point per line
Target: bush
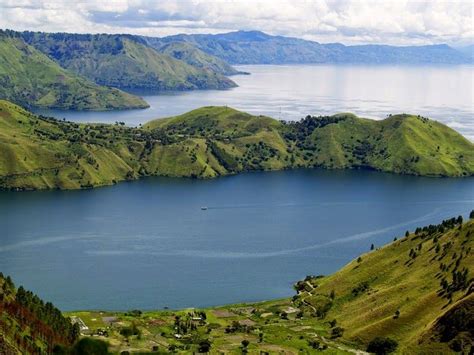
382 346
88 346
337 332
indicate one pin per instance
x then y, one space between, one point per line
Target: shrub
382 346
88 346
337 332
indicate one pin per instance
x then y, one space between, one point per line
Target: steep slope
254 47
192 55
124 61
416 290
29 78
41 152
28 325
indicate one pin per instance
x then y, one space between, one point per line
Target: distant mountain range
254 47
88 72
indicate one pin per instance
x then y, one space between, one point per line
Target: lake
290 92
148 244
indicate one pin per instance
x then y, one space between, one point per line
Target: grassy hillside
403 144
416 290
405 291
30 78
124 61
43 153
192 55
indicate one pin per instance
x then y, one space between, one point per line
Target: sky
396 22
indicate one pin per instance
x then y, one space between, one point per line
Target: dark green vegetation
30 78
42 153
30 326
411 296
254 47
127 62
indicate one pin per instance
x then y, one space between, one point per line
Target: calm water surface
445 93
147 244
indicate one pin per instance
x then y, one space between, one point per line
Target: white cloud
357 21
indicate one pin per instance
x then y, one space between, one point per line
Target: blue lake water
289 92
147 244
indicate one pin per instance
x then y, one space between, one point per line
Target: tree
245 343
372 247
204 346
382 346
407 233
471 215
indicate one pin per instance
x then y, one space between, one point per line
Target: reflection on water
290 92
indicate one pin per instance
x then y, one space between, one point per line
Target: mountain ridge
124 61
30 78
255 47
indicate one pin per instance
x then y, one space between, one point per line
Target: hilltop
414 295
255 47
44 153
30 78
126 62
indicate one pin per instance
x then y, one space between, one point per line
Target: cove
149 244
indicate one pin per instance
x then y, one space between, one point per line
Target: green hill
124 61
404 144
192 55
42 153
30 78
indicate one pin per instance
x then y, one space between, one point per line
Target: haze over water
290 92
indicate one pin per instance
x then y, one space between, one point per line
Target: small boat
204 208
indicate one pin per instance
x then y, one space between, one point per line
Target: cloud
350 22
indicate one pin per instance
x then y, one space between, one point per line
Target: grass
392 281
43 153
30 78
